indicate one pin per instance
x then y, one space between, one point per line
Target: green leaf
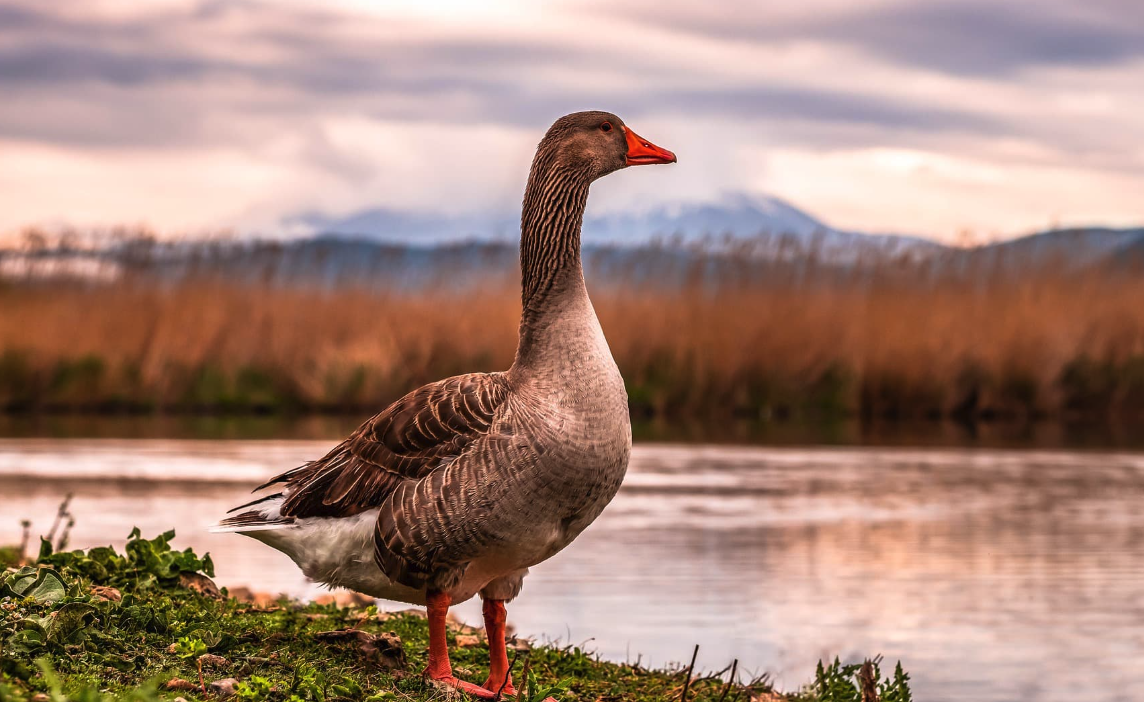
15 584
41 584
27 640
70 620
190 647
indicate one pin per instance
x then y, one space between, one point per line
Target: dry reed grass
897 341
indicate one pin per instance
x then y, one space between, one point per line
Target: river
992 574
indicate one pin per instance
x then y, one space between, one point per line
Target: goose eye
606 127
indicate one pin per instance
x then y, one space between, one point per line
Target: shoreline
837 432
150 624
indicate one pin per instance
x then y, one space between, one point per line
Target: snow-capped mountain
773 224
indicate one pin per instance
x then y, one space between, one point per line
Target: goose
461 486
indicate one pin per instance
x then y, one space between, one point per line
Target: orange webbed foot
466 687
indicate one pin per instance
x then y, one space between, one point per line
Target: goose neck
550 222
552 279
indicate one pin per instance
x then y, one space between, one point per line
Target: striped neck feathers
550 224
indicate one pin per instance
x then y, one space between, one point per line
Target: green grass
98 625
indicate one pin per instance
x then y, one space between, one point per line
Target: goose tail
262 514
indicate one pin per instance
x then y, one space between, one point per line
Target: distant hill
1071 247
664 246
734 218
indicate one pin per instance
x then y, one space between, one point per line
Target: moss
98 625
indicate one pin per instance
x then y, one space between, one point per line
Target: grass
147 624
731 336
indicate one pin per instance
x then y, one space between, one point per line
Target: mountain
776 228
735 215
665 246
408 228
1075 247
1134 250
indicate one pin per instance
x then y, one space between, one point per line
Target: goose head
599 143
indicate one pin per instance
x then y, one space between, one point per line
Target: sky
938 118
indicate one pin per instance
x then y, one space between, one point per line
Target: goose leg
500 676
439 669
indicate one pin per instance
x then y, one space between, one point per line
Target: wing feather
416 435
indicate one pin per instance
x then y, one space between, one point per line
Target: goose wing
409 440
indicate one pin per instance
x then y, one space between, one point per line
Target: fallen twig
690 670
524 674
730 680
511 665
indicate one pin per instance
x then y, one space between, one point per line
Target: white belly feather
339 552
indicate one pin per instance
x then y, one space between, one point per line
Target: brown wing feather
407 441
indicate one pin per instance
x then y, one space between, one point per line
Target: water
991 574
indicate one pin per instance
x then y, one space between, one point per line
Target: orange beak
642 152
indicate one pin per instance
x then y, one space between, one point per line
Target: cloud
963 37
991 38
293 61
268 109
818 105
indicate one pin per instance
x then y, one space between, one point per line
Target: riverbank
1018 435
149 624
724 337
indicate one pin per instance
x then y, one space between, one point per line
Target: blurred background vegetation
760 328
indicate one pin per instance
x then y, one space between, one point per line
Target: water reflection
1125 435
993 575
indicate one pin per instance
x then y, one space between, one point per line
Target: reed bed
726 335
